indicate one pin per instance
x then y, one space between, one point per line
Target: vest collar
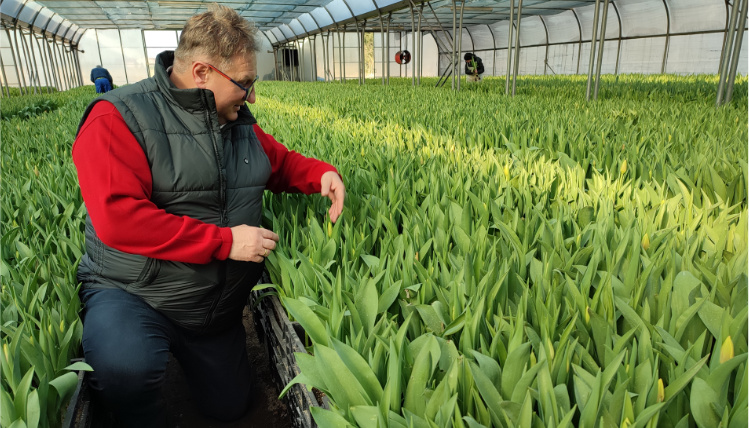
192 99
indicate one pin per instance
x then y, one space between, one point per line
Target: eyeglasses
246 90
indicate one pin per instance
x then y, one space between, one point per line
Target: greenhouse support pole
727 47
509 48
98 47
388 48
736 50
30 48
58 64
77 59
619 44
333 48
66 60
275 62
145 52
420 45
4 84
29 65
382 46
51 60
546 51
460 43
122 51
314 58
325 40
725 38
68 66
599 60
413 47
360 42
44 64
324 74
454 39
517 48
340 54
300 67
580 41
668 33
19 66
593 38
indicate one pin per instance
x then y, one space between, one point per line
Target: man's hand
333 188
251 244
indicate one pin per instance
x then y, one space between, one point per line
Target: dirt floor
268 411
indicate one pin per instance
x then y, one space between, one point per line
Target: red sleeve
115 181
290 171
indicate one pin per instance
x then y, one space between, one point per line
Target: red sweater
116 186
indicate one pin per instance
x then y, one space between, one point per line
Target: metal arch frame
329 44
494 50
322 40
546 55
619 44
509 46
737 50
733 41
343 54
600 47
21 77
50 54
725 37
306 37
517 48
382 45
668 32
580 41
593 38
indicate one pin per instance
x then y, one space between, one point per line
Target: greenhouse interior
545 218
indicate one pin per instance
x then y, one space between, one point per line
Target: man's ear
200 74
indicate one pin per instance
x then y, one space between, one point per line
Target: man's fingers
269 234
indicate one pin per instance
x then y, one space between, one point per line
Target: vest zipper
224 218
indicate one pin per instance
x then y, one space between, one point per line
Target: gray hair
218 34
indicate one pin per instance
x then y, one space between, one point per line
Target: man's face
230 97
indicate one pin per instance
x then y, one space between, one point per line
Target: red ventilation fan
403 57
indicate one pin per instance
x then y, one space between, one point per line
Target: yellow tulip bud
330 230
645 242
623 169
726 351
661 391
6 352
507 172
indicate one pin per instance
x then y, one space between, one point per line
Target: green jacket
199 170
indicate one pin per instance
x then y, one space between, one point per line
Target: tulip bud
623 169
507 172
661 391
726 351
645 242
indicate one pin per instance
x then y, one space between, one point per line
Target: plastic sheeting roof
281 20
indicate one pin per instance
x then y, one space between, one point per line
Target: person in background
474 67
172 170
102 79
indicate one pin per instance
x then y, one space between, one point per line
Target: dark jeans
102 86
128 344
